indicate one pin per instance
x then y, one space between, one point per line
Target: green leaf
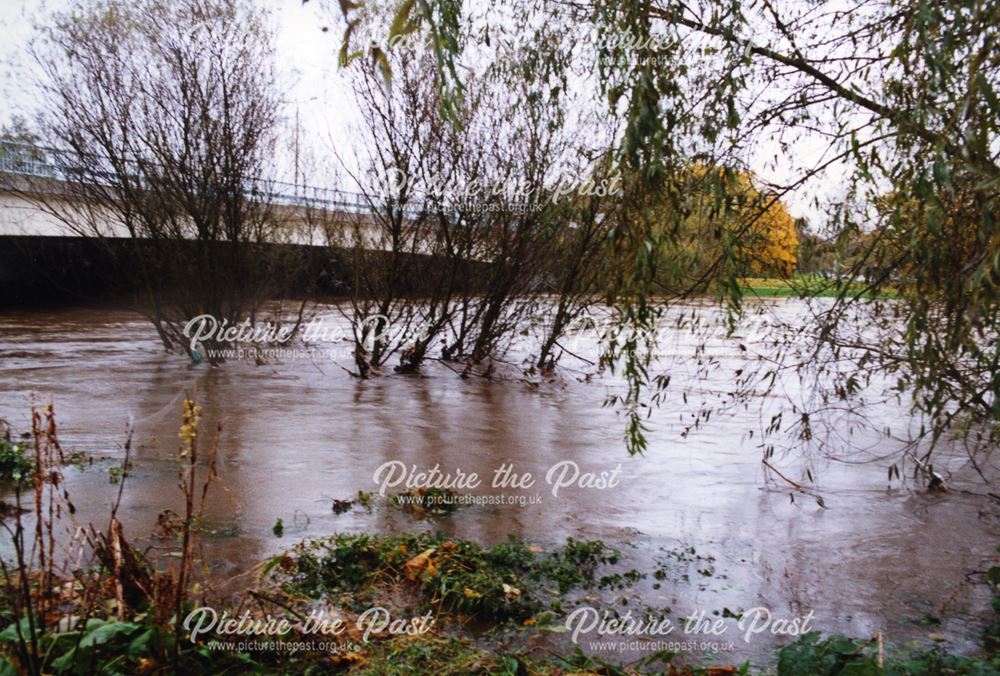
988 94
68 659
993 575
9 635
401 24
140 645
383 63
108 632
269 566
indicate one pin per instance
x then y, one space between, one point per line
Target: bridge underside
38 270
45 260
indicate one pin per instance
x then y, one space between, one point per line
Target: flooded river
300 433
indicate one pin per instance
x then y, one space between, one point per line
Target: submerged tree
894 97
466 224
162 118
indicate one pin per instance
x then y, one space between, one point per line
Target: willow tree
162 119
883 98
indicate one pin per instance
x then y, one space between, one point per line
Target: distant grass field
811 286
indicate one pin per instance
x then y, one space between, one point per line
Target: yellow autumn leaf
418 563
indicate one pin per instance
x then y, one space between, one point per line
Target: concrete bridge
43 259
303 211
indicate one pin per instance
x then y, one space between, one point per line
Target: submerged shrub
15 465
837 654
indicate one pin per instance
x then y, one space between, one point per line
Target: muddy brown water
300 432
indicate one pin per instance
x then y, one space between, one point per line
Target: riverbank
423 603
801 286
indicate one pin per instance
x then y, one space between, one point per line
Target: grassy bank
799 286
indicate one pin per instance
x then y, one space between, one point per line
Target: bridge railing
25 159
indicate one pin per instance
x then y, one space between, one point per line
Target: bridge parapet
32 161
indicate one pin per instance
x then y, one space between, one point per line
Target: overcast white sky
307 58
317 89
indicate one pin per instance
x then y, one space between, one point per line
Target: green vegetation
908 133
363 499
107 646
15 465
805 286
513 590
446 656
453 656
511 586
774 287
508 581
838 655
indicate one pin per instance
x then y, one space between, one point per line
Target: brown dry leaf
418 563
348 658
146 665
287 563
